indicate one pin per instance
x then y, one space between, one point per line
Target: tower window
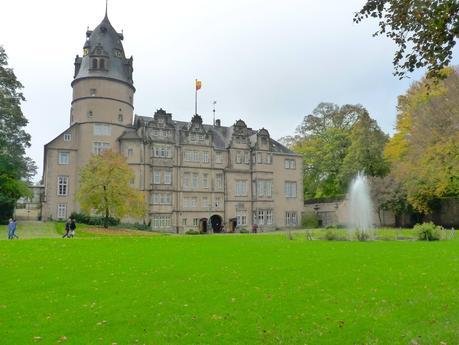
92 92
102 64
90 114
94 63
120 117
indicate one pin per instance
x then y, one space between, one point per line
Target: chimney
217 123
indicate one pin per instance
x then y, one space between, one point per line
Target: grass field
225 289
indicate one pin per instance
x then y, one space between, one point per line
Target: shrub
136 226
331 235
244 231
93 220
192 232
309 220
362 235
428 231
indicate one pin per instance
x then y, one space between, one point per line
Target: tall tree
425 31
337 142
366 151
105 188
15 168
424 151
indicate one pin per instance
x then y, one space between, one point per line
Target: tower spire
106 7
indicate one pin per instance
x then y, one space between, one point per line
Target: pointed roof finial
106 7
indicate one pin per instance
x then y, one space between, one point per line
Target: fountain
360 207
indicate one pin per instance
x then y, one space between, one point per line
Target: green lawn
227 289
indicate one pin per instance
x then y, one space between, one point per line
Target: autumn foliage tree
424 151
424 31
105 188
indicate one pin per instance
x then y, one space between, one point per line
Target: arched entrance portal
216 223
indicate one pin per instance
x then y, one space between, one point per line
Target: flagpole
195 96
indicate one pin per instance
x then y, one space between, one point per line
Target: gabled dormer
263 142
161 128
240 135
195 133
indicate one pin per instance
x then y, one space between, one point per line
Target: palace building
193 175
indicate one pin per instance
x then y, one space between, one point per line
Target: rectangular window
241 188
241 216
61 211
269 158
186 180
130 152
67 137
263 216
183 221
246 157
205 202
205 181
289 164
102 129
160 221
62 185
156 177
64 157
194 180
218 158
291 218
195 221
161 151
161 198
264 188
219 181
168 177
196 156
238 157
259 157
98 147
290 189
218 201
193 202
92 92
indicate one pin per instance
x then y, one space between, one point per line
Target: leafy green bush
93 220
362 235
136 226
428 231
309 220
331 235
244 231
192 232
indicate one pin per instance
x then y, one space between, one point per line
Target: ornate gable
195 133
161 128
240 135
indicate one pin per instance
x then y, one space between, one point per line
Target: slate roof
221 135
105 36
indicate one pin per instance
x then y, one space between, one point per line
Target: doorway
216 223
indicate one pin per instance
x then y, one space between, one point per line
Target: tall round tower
103 92
103 89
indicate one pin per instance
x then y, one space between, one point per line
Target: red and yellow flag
198 85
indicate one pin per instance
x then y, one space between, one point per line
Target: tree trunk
107 214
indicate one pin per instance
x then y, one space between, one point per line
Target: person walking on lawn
72 227
12 229
67 229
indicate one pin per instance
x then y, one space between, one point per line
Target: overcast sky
267 62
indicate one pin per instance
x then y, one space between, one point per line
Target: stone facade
193 175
